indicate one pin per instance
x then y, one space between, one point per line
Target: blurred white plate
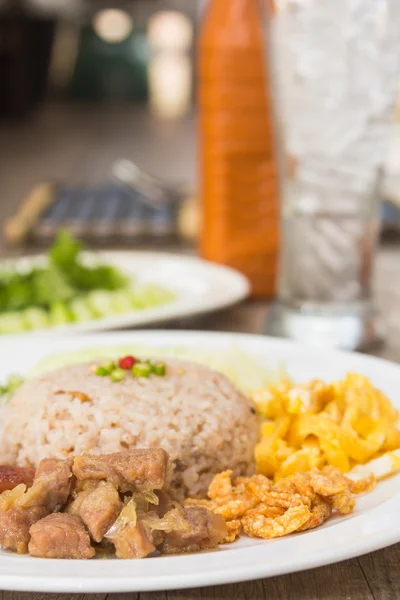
200 287
374 524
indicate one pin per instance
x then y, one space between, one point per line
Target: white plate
200 287
374 524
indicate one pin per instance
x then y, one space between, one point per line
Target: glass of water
336 67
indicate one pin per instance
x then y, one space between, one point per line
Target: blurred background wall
96 51
85 83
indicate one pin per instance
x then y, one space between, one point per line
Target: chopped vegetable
59 313
51 285
16 292
80 310
101 371
118 374
173 519
12 322
106 368
141 370
159 369
99 303
120 302
65 251
150 295
35 318
127 362
102 277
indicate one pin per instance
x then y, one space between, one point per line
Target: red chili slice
127 362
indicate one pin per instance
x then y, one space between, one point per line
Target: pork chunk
128 471
81 491
135 541
205 530
13 476
60 535
14 527
166 502
99 509
132 537
51 486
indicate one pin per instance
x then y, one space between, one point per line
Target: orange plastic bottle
238 175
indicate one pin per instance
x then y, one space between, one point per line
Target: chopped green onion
159 368
101 371
118 375
141 370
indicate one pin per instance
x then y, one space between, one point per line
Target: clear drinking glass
335 66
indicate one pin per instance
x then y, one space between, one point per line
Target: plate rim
43 335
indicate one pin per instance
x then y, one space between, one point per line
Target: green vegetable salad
66 290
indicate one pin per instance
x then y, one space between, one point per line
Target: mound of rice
196 414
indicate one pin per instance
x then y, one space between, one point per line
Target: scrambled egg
342 424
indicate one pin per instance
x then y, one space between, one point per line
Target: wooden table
374 576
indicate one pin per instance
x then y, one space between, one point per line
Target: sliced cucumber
121 301
100 302
60 313
36 318
81 310
150 295
12 322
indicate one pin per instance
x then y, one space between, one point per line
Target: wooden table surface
79 144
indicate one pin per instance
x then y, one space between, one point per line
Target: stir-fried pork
13 476
205 530
135 541
166 502
81 491
60 535
115 500
14 527
99 509
128 471
130 535
51 486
